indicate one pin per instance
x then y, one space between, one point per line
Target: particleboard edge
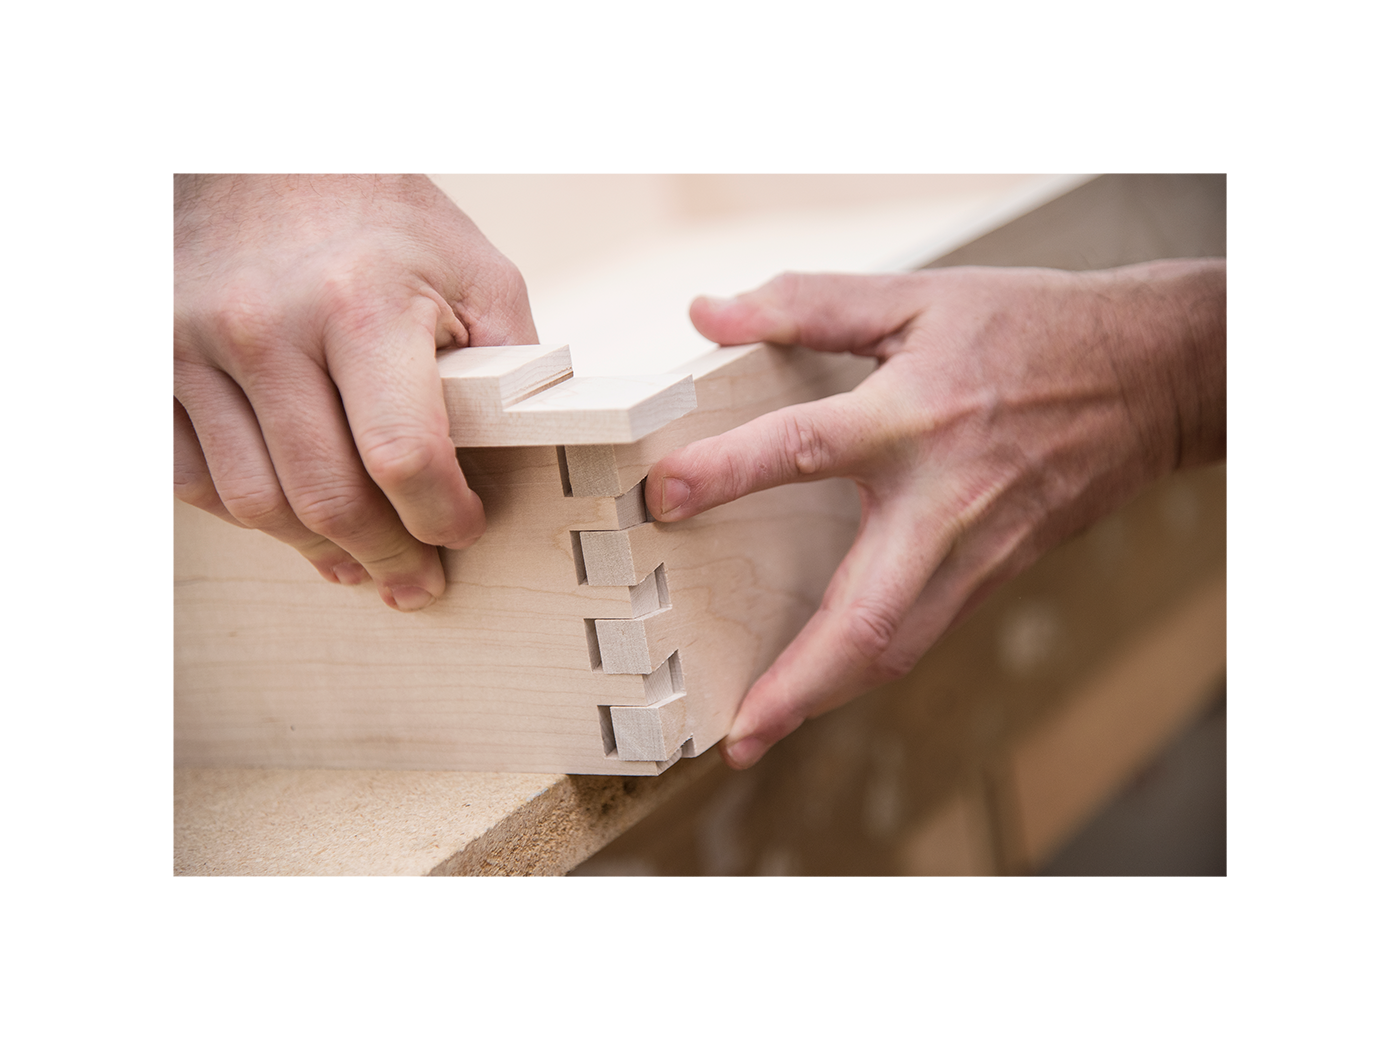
376 822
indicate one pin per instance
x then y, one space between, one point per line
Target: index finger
805 442
834 437
832 312
392 394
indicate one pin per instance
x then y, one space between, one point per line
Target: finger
831 312
241 473
311 448
958 586
844 648
193 484
820 439
496 306
489 298
996 549
392 395
988 544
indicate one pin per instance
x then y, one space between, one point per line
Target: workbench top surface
397 822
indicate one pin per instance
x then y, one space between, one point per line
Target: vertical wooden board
276 667
1061 772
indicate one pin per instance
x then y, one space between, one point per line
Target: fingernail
743 753
674 494
719 302
349 573
410 599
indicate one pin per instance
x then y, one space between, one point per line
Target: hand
308 313
1010 409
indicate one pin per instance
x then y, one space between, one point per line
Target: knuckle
500 294
338 288
869 629
341 289
261 507
337 515
399 460
344 302
803 445
244 320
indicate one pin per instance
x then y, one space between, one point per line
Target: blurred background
1076 723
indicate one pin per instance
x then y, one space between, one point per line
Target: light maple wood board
506 671
528 395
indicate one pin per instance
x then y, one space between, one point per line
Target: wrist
1162 325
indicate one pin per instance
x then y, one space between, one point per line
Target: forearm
1163 326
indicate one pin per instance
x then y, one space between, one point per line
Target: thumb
823 311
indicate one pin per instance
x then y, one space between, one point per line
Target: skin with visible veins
1011 408
308 314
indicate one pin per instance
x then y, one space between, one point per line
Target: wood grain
528 395
517 667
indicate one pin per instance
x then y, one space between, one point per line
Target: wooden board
530 662
528 395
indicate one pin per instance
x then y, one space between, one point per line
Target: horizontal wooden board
528 395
